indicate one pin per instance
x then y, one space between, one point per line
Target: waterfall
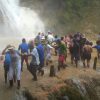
16 21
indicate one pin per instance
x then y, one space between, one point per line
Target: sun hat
10 47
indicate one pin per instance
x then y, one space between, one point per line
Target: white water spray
18 21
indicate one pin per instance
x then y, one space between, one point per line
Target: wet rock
65 98
78 89
19 96
23 95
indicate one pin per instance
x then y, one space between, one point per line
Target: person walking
7 62
14 72
24 53
97 47
40 50
62 52
34 64
75 52
86 55
48 53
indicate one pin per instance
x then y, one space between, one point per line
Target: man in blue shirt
24 52
98 49
40 50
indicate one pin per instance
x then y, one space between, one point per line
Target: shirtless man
86 56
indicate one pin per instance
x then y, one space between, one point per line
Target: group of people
80 48
14 59
40 52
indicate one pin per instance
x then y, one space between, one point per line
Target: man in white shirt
48 53
50 37
34 64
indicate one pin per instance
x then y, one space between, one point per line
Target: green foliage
64 16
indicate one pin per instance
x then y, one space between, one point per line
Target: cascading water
16 21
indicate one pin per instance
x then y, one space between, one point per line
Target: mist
17 22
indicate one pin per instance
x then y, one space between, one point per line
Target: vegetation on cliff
63 16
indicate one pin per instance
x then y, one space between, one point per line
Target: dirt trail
44 84
5 92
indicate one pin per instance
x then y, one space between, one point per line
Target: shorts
61 58
33 68
76 56
86 56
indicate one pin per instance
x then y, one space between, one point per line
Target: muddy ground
46 84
